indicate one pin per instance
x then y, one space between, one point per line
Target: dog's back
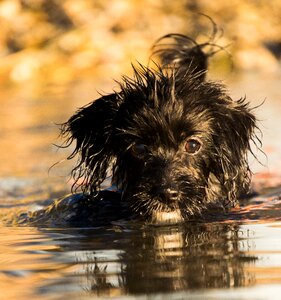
184 54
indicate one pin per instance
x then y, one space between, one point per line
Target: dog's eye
138 150
192 146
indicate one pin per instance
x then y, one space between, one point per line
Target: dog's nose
168 194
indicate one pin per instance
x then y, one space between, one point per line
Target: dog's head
174 143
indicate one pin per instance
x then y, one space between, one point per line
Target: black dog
175 144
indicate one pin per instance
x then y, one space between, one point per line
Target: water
238 258
241 261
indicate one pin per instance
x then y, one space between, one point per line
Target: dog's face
176 145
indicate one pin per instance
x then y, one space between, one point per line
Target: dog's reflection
163 260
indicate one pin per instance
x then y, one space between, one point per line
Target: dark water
239 258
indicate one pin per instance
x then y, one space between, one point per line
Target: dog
174 143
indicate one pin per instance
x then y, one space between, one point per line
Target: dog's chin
166 217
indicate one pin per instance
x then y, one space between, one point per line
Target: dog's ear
91 128
235 129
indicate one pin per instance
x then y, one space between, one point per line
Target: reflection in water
129 259
173 259
161 260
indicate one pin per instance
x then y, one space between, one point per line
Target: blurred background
58 55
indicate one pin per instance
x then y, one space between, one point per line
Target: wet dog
174 142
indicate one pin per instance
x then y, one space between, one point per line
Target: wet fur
139 136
